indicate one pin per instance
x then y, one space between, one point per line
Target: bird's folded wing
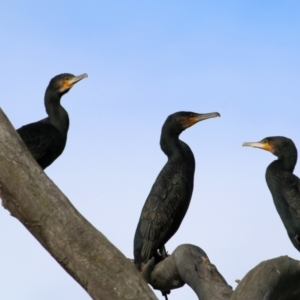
158 214
38 137
291 193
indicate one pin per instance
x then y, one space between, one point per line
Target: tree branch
99 267
86 254
274 279
188 264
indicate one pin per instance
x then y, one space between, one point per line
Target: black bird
46 139
283 184
171 192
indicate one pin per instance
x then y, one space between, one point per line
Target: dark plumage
46 139
283 184
171 193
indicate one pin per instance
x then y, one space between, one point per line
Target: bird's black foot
166 293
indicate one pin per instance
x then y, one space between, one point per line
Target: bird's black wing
159 212
40 138
291 192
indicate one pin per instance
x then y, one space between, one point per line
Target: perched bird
283 184
171 192
46 139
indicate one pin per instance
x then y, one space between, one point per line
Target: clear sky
146 60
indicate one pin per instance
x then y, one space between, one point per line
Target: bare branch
99 267
188 264
86 254
274 279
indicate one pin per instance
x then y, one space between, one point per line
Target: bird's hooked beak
264 144
200 117
71 81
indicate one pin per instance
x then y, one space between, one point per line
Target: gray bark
188 264
274 279
99 267
85 253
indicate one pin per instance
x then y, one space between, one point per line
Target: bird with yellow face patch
283 184
46 139
170 195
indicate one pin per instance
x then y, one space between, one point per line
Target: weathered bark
274 279
188 264
86 254
102 269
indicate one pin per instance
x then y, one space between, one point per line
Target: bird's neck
285 162
57 115
172 146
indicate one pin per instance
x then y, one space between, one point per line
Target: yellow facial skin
68 82
200 117
264 144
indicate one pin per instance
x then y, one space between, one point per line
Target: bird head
277 145
64 82
180 121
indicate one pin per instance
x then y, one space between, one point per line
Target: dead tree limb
99 267
188 264
86 254
274 279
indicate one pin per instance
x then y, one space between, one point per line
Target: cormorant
283 184
171 192
46 139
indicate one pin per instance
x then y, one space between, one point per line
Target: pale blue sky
146 60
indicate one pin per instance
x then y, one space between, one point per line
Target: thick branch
188 264
274 279
97 265
81 249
